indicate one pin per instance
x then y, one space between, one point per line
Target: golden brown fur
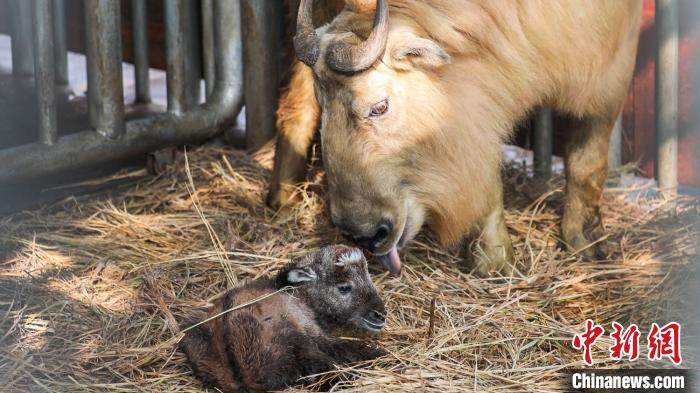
298 111
435 157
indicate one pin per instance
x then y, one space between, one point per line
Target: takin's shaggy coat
414 99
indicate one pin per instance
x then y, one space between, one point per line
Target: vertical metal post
542 146
260 48
666 99
175 53
60 45
229 42
91 65
208 46
139 28
193 59
22 41
44 71
105 85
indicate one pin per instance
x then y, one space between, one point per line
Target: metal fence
39 51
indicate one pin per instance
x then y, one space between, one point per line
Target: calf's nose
376 317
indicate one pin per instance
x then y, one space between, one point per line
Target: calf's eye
344 289
380 108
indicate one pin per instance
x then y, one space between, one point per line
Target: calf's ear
411 51
294 275
299 275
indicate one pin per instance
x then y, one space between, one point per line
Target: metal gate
226 39
111 137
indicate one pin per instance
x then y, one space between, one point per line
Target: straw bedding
91 287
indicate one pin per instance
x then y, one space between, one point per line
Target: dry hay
90 288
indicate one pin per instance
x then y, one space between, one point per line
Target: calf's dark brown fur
282 339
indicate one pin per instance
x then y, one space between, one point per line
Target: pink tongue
392 262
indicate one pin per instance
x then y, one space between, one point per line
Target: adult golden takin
414 98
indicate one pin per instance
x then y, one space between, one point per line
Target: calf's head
335 284
379 100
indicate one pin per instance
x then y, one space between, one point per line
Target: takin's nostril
382 233
374 240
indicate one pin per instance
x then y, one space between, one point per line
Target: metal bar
22 38
60 45
92 69
666 99
175 54
44 71
542 144
193 57
139 28
228 58
261 77
105 85
208 46
146 134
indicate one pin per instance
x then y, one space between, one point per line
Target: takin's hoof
591 243
597 250
282 198
497 260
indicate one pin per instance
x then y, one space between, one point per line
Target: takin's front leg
297 120
493 252
586 171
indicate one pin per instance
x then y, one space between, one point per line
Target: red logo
662 342
665 342
586 339
626 342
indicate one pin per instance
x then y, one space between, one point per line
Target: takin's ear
411 51
295 275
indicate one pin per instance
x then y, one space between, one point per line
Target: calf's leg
350 351
207 356
297 120
284 361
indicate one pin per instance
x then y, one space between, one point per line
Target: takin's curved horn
306 42
348 58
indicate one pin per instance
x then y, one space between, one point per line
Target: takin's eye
379 108
344 289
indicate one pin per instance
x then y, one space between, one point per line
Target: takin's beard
461 186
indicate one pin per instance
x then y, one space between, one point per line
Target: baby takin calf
286 336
